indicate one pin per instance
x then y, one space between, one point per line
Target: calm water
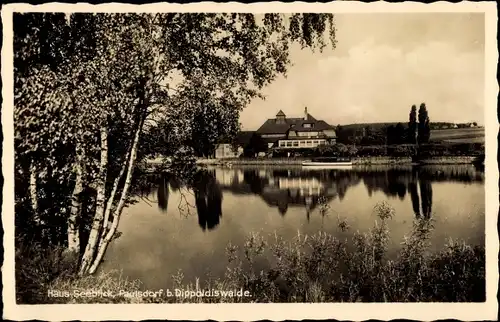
170 229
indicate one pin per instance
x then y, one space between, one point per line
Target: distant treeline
357 128
384 125
399 150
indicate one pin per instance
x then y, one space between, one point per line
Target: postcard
250 161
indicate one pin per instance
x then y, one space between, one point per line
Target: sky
384 63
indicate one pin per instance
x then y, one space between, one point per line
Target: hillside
459 135
374 126
465 135
382 125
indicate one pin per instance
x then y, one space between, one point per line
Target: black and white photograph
238 154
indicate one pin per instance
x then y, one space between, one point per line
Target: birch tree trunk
88 256
74 215
111 198
117 213
33 190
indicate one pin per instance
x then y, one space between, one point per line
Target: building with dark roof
296 133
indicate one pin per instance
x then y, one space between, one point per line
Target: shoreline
448 160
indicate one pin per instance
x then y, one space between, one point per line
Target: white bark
111 198
73 228
88 256
33 190
117 213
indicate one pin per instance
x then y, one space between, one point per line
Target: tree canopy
88 85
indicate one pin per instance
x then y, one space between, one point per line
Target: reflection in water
426 194
208 197
163 193
282 188
295 187
415 198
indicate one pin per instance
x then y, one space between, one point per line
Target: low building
231 150
227 151
304 132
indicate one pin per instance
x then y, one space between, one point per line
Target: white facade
297 144
310 134
225 151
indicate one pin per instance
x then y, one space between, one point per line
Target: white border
340 311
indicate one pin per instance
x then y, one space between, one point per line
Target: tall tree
399 130
424 129
104 101
412 126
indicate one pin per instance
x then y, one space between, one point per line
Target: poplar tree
412 126
424 129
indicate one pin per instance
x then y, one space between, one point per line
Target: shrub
451 149
37 267
310 268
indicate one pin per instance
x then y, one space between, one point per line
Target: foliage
361 134
255 146
372 151
424 130
402 150
371 136
331 150
396 134
234 56
323 268
451 149
412 126
88 85
37 266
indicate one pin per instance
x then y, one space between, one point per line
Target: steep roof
318 126
272 127
242 138
280 113
270 140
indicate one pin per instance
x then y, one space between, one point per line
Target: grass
464 135
308 268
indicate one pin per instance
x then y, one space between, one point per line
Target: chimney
305 113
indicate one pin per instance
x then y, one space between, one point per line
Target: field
459 135
464 135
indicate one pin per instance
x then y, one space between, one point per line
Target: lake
170 227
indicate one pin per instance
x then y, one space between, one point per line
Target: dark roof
242 138
273 127
270 140
318 126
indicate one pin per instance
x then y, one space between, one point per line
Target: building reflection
283 189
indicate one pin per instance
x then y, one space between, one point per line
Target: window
288 143
309 142
302 143
308 125
282 143
295 143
